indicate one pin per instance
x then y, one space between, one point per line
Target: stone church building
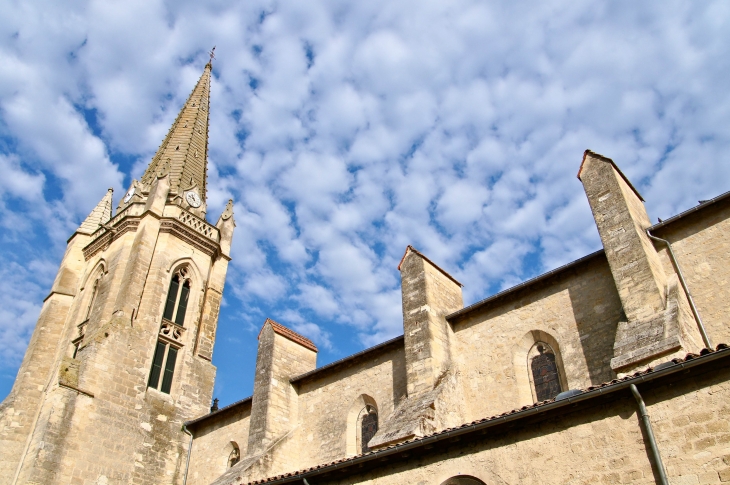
610 369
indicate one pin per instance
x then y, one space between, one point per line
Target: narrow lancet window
235 456
177 299
163 365
369 426
544 370
94 293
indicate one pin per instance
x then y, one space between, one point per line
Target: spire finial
183 153
212 56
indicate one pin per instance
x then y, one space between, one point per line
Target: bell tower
121 355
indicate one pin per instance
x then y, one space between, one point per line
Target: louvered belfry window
369 427
177 299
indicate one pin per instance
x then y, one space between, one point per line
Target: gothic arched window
177 298
235 455
94 294
544 371
368 427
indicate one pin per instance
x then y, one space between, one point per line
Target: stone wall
579 308
98 420
213 439
701 243
329 403
593 443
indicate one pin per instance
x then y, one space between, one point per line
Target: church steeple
184 151
100 215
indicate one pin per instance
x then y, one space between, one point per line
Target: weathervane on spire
212 56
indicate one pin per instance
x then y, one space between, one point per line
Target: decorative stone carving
172 332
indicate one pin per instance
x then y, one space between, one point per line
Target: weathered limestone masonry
433 402
81 410
702 247
282 355
19 410
216 436
332 398
615 310
576 310
597 441
119 364
658 319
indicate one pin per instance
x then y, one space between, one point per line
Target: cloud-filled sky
345 131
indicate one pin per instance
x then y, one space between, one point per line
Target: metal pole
650 436
695 312
190 448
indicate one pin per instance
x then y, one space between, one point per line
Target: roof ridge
289 333
410 248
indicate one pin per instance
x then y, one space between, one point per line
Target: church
610 369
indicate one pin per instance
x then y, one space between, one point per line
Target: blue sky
345 131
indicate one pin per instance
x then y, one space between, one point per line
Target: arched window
94 293
368 426
463 480
544 371
177 298
235 455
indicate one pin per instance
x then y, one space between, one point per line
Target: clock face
193 199
129 195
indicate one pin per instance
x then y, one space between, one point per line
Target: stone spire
100 215
184 151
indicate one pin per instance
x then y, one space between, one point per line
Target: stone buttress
282 355
429 294
658 322
84 408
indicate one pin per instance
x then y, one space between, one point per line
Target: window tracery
177 297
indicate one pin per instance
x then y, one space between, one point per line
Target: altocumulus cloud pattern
345 132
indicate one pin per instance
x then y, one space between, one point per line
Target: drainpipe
190 448
703 332
650 436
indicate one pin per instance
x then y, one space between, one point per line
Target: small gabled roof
290 334
410 248
606 159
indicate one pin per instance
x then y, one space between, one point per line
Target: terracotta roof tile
687 358
410 248
290 334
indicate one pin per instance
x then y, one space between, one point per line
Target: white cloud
346 131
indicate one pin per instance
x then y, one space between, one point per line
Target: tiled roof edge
692 210
410 248
680 365
219 411
290 334
606 159
524 284
345 359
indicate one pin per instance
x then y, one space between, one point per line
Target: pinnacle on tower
100 215
184 151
